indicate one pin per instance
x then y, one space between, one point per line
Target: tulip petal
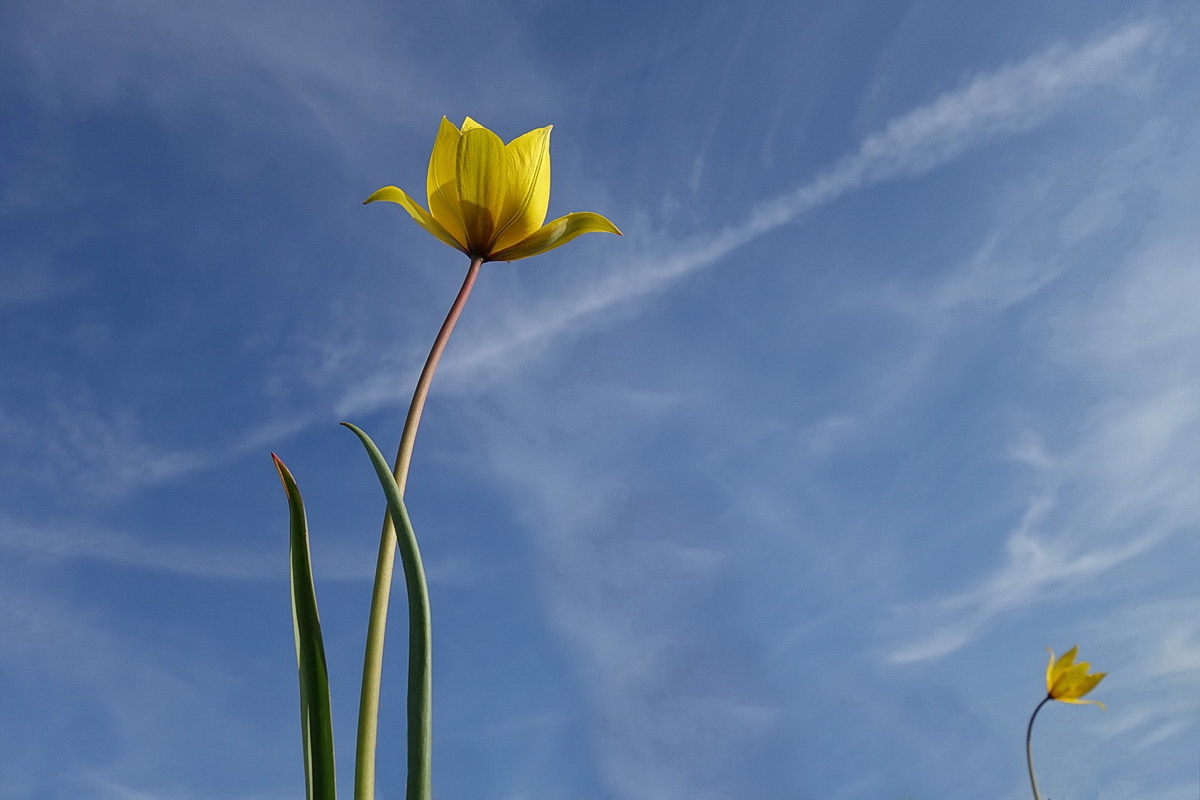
423 217
1078 702
553 234
1066 659
527 195
1089 683
441 184
482 180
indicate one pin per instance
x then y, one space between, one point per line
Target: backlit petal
423 217
1068 658
441 185
527 195
1089 683
1056 669
482 181
1078 702
553 234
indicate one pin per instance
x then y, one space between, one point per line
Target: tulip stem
1029 746
409 435
419 784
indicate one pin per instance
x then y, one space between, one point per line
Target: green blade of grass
420 686
316 719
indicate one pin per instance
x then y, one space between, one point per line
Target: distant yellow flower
489 199
1067 681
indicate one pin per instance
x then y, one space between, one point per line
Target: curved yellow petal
527 195
553 234
1076 701
470 124
1056 668
1089 683
423 217
482 180
441 184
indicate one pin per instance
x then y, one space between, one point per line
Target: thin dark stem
419 682
1029 746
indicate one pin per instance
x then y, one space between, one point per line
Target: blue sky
892 382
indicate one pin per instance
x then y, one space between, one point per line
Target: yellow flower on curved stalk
1068 682
489 199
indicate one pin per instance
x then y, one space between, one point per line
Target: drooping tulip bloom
1068 682
489 199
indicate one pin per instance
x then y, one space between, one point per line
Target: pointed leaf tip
316 724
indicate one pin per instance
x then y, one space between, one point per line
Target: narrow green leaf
420 686
316 719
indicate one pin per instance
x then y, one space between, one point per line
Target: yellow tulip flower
489 199
1068 682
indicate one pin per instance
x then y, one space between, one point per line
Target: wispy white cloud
172 555
1121 484
672 718
1151 651
1035 566
1011 100
1050 552
1129 485
70 443
337 70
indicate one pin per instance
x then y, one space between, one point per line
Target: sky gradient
892 382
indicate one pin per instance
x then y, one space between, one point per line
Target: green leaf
316 719
420 688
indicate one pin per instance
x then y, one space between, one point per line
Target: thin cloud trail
1033 569
1143 507
1011 100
